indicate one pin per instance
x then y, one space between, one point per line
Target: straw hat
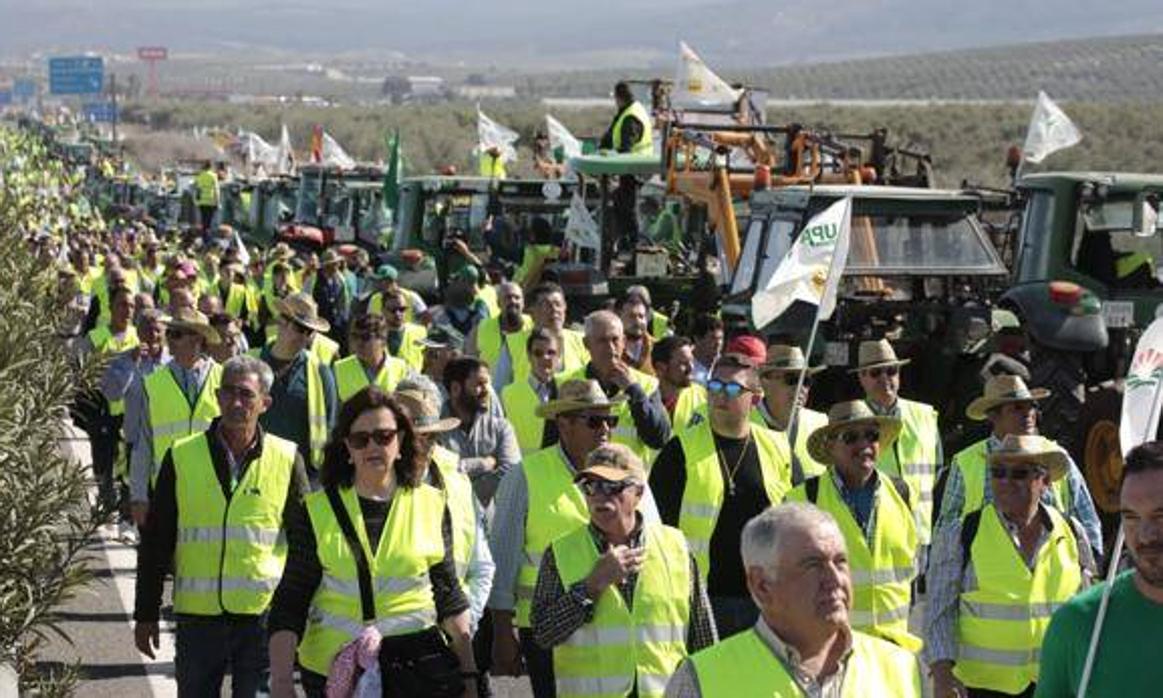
425 413
845 415
1032 449
782 357
331 256
874 354
613 462
281 252
191 320
1000 390
301 309
575 395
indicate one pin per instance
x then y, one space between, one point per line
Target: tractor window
1111 253
919 243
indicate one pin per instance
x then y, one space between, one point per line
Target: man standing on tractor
206 195
631 131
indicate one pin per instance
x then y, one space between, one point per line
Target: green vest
350 376
882 574
913 457
625 432
645 143
410 352
410 544
230 553
743 666
489 340
520 403
702 499
556 506
103 341
1001 622
691 401
622 647
974 466
461 509
171 416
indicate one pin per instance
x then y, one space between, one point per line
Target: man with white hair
797 573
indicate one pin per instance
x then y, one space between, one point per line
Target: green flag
391 192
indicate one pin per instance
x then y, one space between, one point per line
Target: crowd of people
349 486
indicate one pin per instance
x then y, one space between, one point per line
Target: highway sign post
76 75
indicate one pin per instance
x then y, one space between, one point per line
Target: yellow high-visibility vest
489 340
206 188
702 499
626 647
410 544
691 401
534 258
572 353
914 458
659 325
973 461
236 300
492 166
461 509
520 403
410 351
105 342
625 432
645 142
350 376
230 553
171 416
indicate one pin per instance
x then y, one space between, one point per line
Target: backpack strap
812 488
969 527
367 601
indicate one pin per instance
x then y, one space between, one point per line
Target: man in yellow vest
874 512
536 502
659 323
918 452
996 576
386 280
1011 408
403 337
780 375
304 397
369 363
206 195
631 132
619 601
492 162
635 314
231 289
714 476
498 340
685 401
172 402
547 308
522 398
803 643
218 513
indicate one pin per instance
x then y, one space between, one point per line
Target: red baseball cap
746 349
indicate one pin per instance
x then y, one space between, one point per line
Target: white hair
763 537
601 318
243 365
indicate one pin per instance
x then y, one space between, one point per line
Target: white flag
560 137
581 229
1142 396
285 156
811 269
1050 130
334 154
490 134
695 83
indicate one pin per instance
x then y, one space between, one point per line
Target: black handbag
415 665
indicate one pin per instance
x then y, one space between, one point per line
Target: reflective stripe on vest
170 414
230 553
645 142
556 506
972 461
647 640
703 496
743 666
625 432
461 509
410 544
350 376
1001 623
913 458
520 403
316 412
882 569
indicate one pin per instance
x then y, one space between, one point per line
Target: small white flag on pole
560 137
695 83
811 269
285 163
1050 130
490 134
334 154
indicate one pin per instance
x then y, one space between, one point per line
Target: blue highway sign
76 75
99 112
24 89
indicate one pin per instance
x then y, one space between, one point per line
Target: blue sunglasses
731 389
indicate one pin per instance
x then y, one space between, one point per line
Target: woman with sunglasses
371 492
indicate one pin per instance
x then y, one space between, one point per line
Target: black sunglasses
606 488
852 437
360 439
1018 473
889 371
595 421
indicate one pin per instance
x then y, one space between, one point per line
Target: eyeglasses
360 439
791 380
595 421
731 389
593 487
237 391
889 371
871 436
1018 473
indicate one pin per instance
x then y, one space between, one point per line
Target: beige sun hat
874 354
1000 390
281 252
613 462
575 395
844 415
783 357
191 320
300 308
425 412
1034 449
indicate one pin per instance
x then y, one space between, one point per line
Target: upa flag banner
1142 396
695 83
1050 130
811 269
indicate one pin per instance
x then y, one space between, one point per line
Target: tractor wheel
1101 456
1063 375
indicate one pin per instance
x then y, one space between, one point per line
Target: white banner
334 154
1050 130
695 83
560 137
811 269
581 229
285 158
490 134
1142 396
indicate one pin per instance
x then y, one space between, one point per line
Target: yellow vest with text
702 499
410 544
626 647
104 342
691 401
410 352
882 569
350 376
1001 622
743 666
230 553
520 403
556 506
171 416
489 340
645 142
625 432
974 466
461 509
914 457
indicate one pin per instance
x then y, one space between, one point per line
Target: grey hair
243 365
504 285
420 383
762 539
601 317
148 315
